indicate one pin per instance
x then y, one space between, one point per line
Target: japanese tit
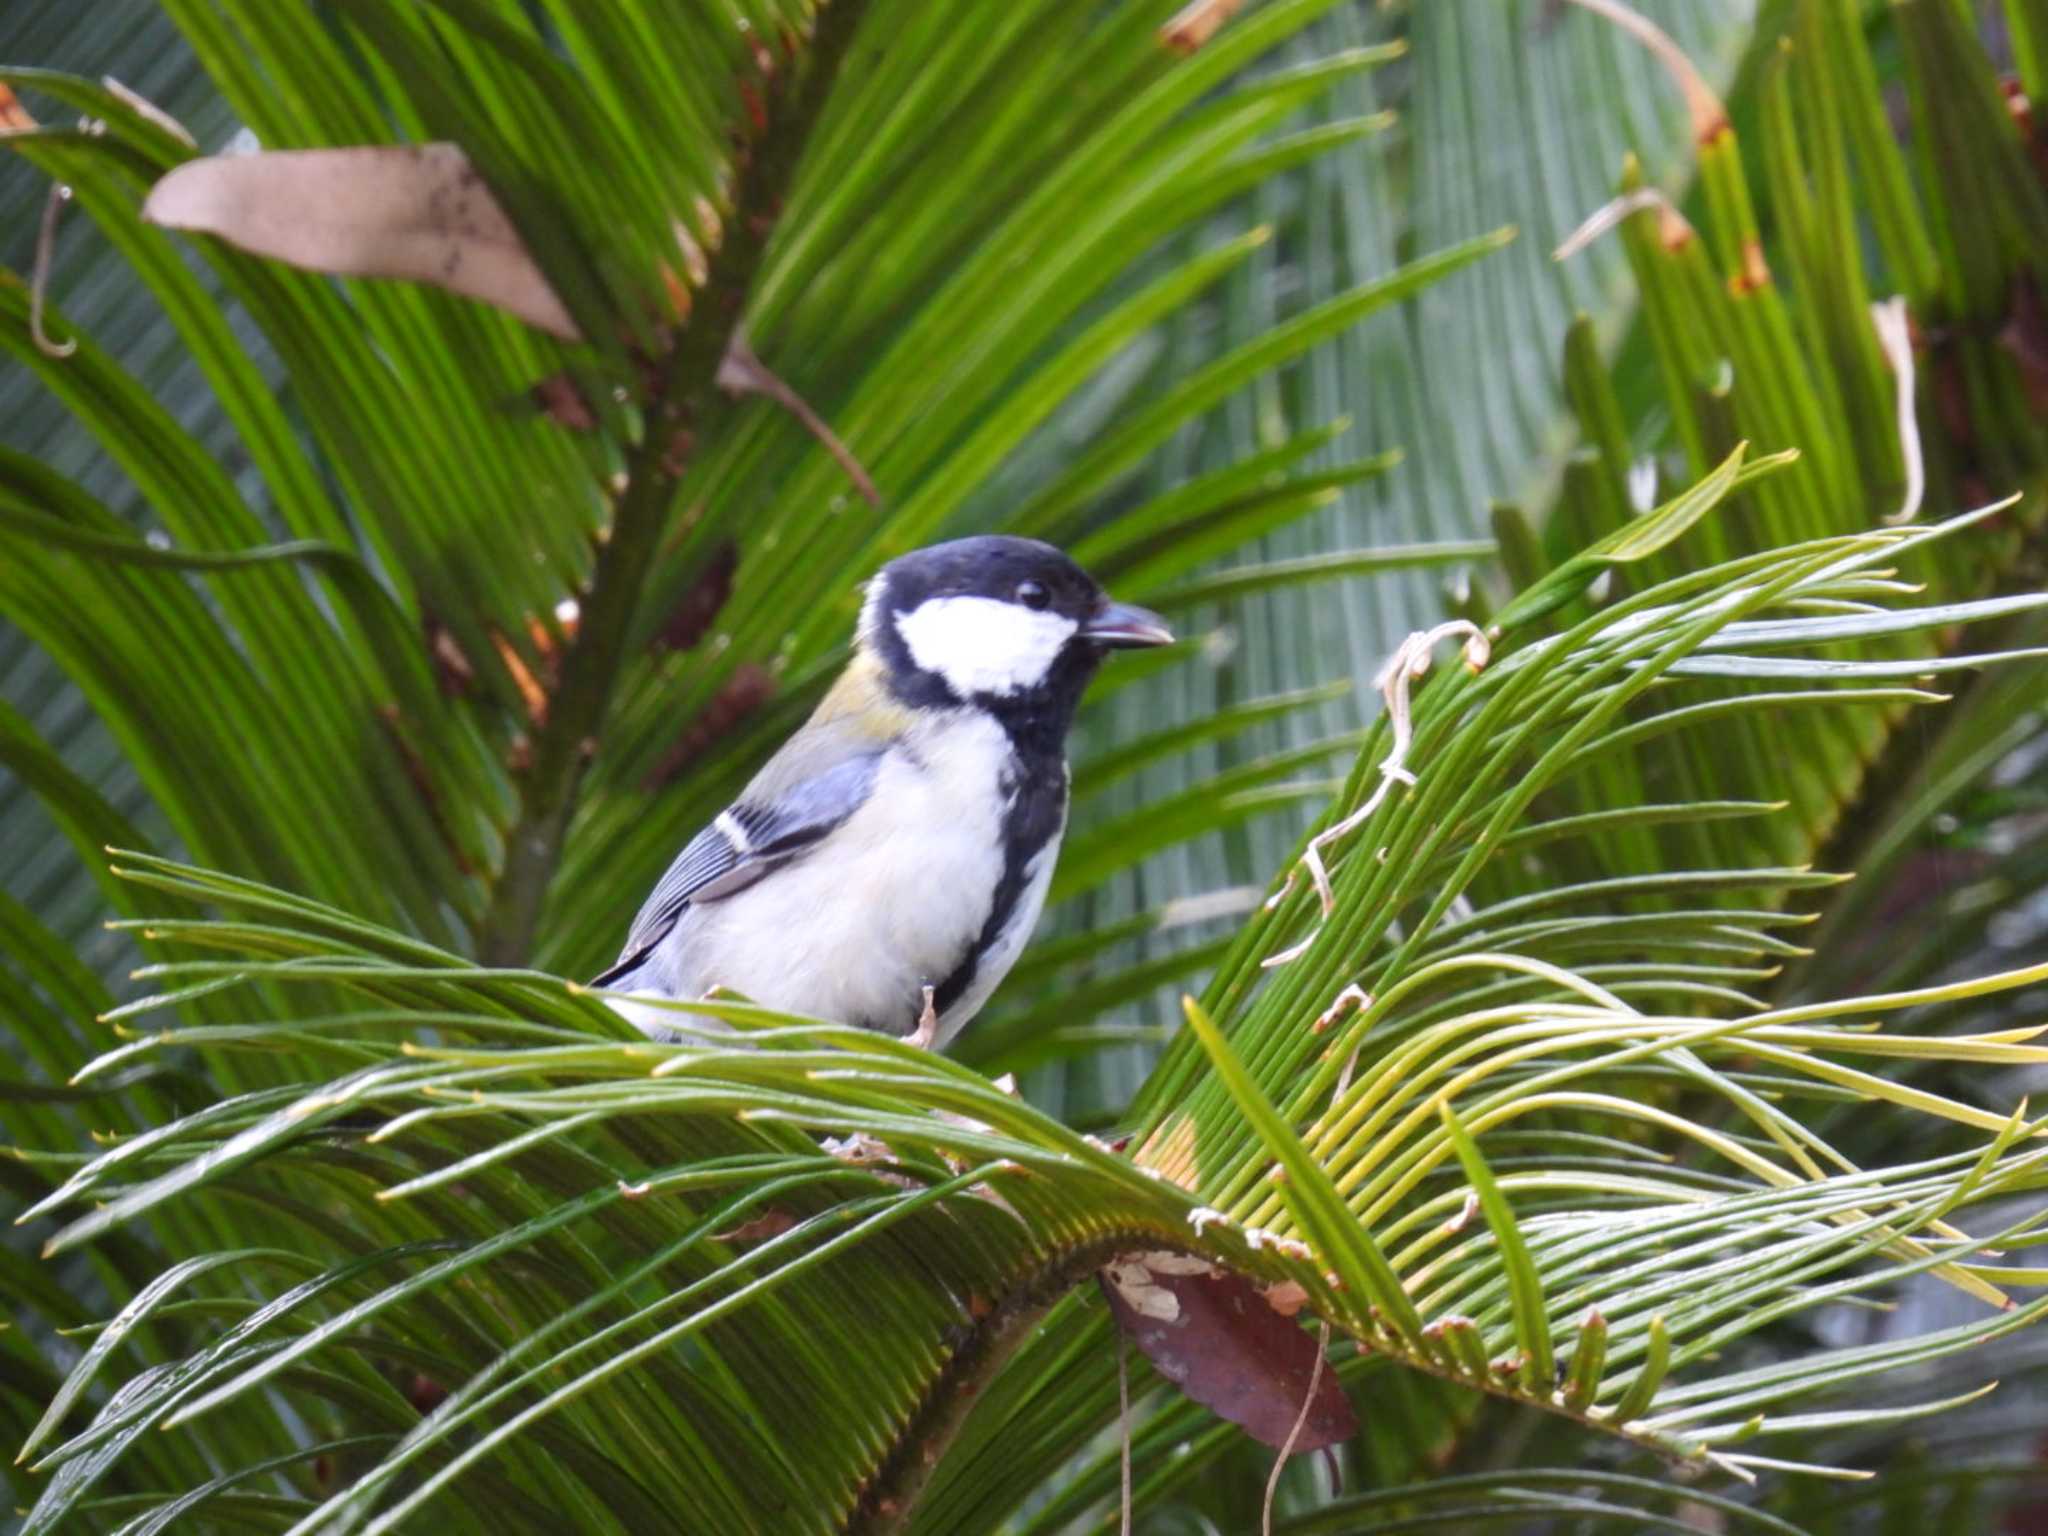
887 864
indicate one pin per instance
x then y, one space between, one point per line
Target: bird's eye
1032 595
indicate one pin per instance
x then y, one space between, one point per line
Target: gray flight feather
748 840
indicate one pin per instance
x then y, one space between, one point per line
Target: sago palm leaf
599 1248
1633 881
482 564
391 529
1851 209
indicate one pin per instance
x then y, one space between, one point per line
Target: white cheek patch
982 644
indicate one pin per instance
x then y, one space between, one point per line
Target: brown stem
685 394
889 1499
891 1495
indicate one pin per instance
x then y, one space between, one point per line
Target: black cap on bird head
1010 624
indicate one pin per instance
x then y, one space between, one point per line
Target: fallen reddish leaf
1216 1337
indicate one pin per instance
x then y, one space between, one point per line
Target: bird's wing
757 833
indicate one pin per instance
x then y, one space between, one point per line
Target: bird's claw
927 1024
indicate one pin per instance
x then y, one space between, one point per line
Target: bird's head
1011 625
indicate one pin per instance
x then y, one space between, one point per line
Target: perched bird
887 864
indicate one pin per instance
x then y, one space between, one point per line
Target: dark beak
1122 626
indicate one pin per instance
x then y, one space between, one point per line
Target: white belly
885 906
1009 944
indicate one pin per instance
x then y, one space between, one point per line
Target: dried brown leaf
416 212
1228 1348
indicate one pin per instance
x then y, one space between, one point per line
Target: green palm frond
1565 1108
671 1257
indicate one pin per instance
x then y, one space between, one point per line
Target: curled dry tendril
1409 662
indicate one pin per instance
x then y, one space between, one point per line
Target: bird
886 866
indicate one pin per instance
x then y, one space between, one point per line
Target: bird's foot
927 1024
